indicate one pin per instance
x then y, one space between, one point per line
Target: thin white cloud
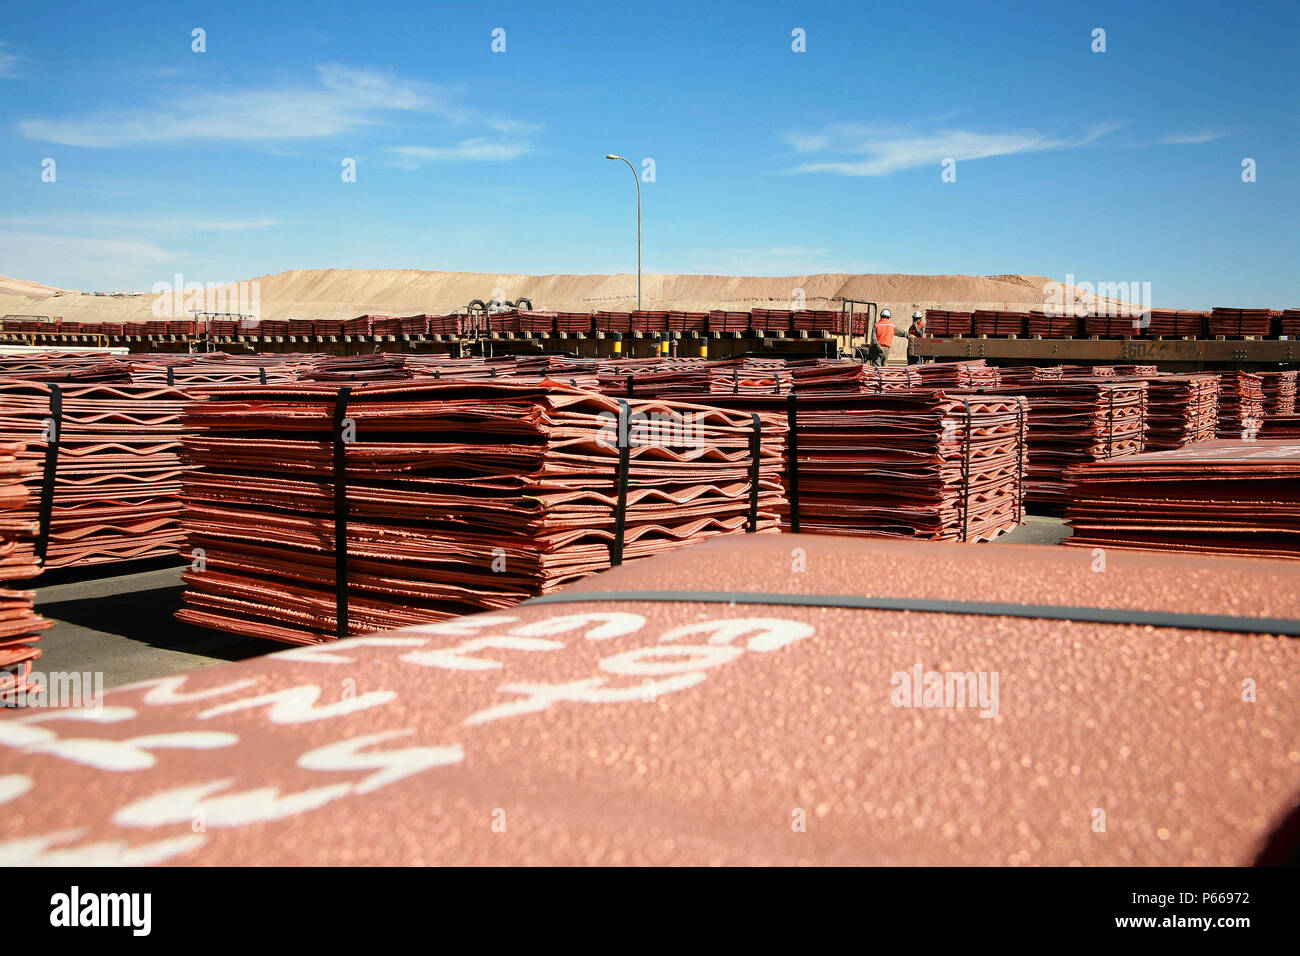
467 150
77 223
1186 139
854 150
72 262
341 100
8 65
236 225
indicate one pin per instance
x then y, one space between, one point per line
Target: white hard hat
884 314
917 314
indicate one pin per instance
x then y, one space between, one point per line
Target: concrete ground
122 624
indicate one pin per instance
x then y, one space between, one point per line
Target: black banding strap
965 478
171 375
1048 612
630 386
792 460
735 380
46 512
437 374
340 515
755 453
261 374
1021 404
624 465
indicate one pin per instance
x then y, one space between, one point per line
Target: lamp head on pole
612 156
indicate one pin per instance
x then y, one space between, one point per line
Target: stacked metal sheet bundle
1074 421
1241 405
770 320
1031 373
1219 497
817 320
451 497
19 623
878 379
113 460
996 322
661 378
1052 325
1281 427
543 322
973 373
613 322
1279 392
199 372
1113 326
724 321
1181 410
647 321
1175 324
940 323
573 322
688 321
379 366
822 376
1234 322
1289 323
910 464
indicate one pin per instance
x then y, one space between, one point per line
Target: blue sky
222 165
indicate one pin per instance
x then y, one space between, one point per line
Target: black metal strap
1021 453
735 380
624 466
631 390
965 477
1047 612
261 374
340 515
755 453
46 512
792 459
171 375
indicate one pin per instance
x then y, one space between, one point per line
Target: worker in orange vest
882 337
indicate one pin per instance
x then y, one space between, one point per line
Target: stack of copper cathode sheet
908 464
1053 325
455 496
1114 326
1241 405
1222 497
1235 322
996 322
816 320
1279 390
940 323
973 373
1181 410
1173 323
1073 421
18 621
114 467
1289 323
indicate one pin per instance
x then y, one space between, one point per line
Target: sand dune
342 293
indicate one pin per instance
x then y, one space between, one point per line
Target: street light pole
638 225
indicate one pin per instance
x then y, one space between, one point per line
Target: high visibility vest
884 333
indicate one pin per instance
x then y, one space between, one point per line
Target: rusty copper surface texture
694 733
